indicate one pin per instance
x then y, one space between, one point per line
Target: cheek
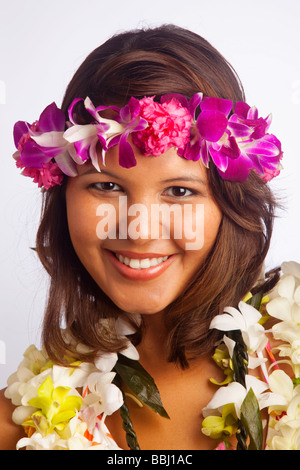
82 222
199 227
212 221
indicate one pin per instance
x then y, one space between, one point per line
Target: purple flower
41 142
129 117
259 150
86 138
235 144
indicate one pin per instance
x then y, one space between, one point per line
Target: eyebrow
190 178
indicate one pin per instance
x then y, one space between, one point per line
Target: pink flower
48 175
168 126
222 446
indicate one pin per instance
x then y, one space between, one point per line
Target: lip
139 274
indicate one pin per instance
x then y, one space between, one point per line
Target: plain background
41 46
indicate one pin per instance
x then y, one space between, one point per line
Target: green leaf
255 300
140 383
251 419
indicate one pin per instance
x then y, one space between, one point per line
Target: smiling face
139 270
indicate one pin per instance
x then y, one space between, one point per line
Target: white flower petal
279 308
123 328
286 287
297 295
232 393
230 343
227 322
80 132
50 139
258 386
21 413
271 399
131 352
106 361
291 267
254 362
295 313
250 314
280 382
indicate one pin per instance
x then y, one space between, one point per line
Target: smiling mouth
140 266
143 263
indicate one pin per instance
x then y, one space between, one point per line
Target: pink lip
139 274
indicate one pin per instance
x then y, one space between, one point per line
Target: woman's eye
106 186
178 191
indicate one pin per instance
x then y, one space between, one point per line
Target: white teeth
141 263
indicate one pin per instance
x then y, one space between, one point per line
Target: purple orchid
201 128
85 138
42 141
263 150
236 144
129 118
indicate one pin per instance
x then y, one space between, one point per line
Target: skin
154 180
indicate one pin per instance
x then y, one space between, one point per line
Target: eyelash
96 186
99 187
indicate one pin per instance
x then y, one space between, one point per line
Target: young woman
153 120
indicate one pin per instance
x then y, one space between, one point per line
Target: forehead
166 167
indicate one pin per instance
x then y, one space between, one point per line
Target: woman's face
142 233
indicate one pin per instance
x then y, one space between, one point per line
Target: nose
135 218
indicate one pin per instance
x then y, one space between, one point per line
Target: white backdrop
42 44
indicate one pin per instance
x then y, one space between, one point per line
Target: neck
153 347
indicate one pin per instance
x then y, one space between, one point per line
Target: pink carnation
168 126
49 175
269 175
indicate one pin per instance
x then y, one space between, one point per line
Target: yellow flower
223 360
217 427
55 408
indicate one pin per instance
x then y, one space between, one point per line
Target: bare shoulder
10 433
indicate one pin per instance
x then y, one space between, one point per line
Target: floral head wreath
235 142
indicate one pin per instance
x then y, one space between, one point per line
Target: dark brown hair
150 62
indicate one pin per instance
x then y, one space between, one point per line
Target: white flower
285 306
38 442
285 437
31 366
105 362
245 319
104 396
235 393
286 430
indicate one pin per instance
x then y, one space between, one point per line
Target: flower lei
235 407
235 141
56 416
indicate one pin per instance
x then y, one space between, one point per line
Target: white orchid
103 398
105 362
32 365
246 320
235 393
285 307
285 432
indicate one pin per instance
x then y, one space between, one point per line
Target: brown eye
107 186
179 191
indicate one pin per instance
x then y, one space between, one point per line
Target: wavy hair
139 63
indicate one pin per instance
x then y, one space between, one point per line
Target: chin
145 306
